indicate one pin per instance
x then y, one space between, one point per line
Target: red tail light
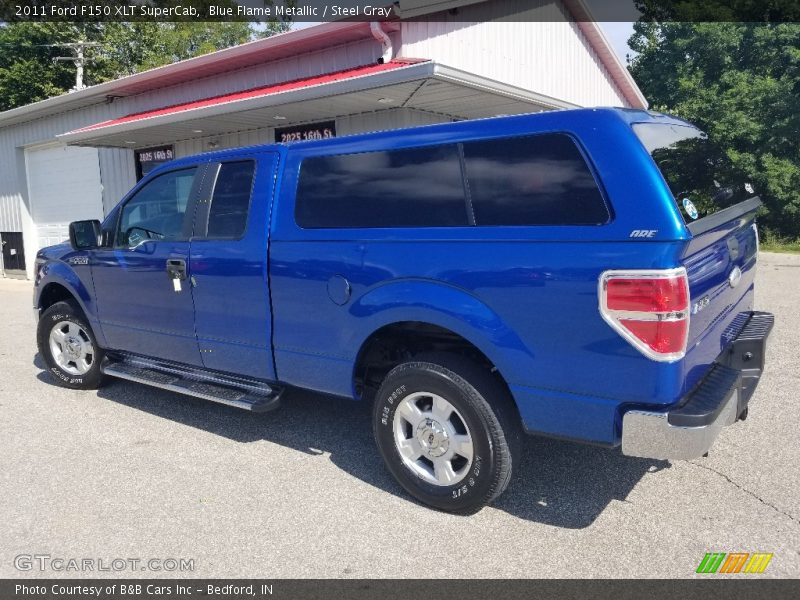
650 309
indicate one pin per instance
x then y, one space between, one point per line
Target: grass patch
771 242
786 247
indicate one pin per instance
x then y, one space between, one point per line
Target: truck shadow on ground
559 483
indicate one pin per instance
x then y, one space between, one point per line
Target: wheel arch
54 292
412 317
400 341
61 283
443 313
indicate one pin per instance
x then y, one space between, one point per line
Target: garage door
64 186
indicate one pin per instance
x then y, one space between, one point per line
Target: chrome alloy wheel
71 348
432 438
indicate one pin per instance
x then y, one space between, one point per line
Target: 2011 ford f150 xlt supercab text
585 274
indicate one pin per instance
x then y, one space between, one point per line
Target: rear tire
447 431
69 347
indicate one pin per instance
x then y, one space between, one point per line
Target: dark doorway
13 251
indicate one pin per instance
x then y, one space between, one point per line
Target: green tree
28 72
740 82
132 47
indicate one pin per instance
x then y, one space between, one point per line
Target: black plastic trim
707 400
720 218
738 368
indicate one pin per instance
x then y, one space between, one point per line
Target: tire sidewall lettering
472 479
400 391
58 373
388 406
66 378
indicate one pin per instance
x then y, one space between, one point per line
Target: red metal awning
258 92
407 84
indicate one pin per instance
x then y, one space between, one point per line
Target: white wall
116 164
229 140
392 118
117 173
547 57
14 197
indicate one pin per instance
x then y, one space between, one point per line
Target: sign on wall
311 131
148 159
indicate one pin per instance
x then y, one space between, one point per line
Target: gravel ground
135 472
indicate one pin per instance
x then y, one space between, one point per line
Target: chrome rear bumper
650 434
688 429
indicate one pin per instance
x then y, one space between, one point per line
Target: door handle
176 268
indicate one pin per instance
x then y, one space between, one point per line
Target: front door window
157 211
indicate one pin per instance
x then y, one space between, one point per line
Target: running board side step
246 394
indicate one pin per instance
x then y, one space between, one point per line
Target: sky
618 34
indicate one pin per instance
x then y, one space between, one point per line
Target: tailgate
720 261
718 207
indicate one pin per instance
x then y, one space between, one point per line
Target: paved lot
135 472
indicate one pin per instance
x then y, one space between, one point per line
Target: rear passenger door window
413 187
532 180
230 202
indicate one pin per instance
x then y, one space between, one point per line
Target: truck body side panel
296 305
539 283
536 319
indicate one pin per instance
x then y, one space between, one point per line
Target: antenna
79 60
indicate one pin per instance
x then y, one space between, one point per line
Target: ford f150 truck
583 274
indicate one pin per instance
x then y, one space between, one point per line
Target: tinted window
418 187
231 200
157 210
698 173
533 180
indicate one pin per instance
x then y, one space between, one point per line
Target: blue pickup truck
583 274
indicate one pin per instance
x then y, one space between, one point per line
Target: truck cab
582 274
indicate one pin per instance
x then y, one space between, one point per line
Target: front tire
69 347
447 431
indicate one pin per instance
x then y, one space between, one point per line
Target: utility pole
79 60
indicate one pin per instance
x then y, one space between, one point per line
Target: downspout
386 43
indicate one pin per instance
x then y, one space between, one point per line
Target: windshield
701 178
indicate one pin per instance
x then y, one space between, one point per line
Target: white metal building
74 156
